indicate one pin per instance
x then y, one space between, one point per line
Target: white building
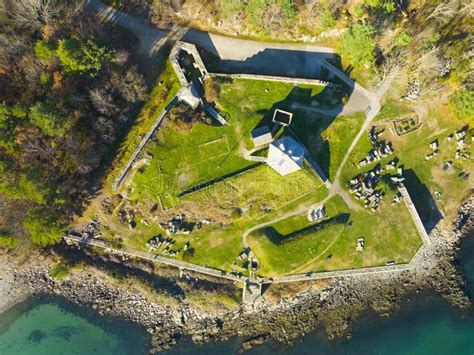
285 155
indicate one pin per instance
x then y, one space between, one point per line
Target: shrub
387 6
462 104
45 79
59 271
7 242
188 254
327 20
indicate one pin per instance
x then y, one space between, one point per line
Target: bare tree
33 14
445 10
121 57
428 65
12 46
130 86
102 101
396 58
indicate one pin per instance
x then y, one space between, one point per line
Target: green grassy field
389 235
335 140
284 246
255 193
182 158
186 158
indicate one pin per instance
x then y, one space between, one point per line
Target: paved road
151 38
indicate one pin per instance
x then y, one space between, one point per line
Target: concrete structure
261 136
189 94
176 61
282 117
286 155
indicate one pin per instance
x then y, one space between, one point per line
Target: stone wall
276 78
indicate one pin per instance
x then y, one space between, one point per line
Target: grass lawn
254 193
287 245
252 103
388 235
260 193
335 140
186 158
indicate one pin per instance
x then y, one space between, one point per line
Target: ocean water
53 326
427 325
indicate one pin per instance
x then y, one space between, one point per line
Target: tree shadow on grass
279 239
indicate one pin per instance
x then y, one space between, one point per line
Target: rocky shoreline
333 309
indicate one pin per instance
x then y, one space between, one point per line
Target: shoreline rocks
333 310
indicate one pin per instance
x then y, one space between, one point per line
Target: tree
462 104
131 86
44 51
402 39
82 58
43 230
102 101
358 44
47 117
12 47
9 117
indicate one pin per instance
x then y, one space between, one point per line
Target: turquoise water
45 326
427 325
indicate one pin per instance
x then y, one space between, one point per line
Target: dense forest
70 86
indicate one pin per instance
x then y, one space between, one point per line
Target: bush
387 6
59 271
45 79
188 254
358 44
327 20
7 242
462 104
